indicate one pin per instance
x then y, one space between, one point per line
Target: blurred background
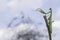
15 12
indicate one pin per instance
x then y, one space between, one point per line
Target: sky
12 8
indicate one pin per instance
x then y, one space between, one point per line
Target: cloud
57 14
56 24
56 17
24 3
12 33
12 8
8 33
56 30
20 4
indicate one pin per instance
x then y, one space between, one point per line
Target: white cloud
56 30
57 14
56 24
12 8
8 33
24 3
20 4
11 33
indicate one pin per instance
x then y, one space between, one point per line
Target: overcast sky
12 8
